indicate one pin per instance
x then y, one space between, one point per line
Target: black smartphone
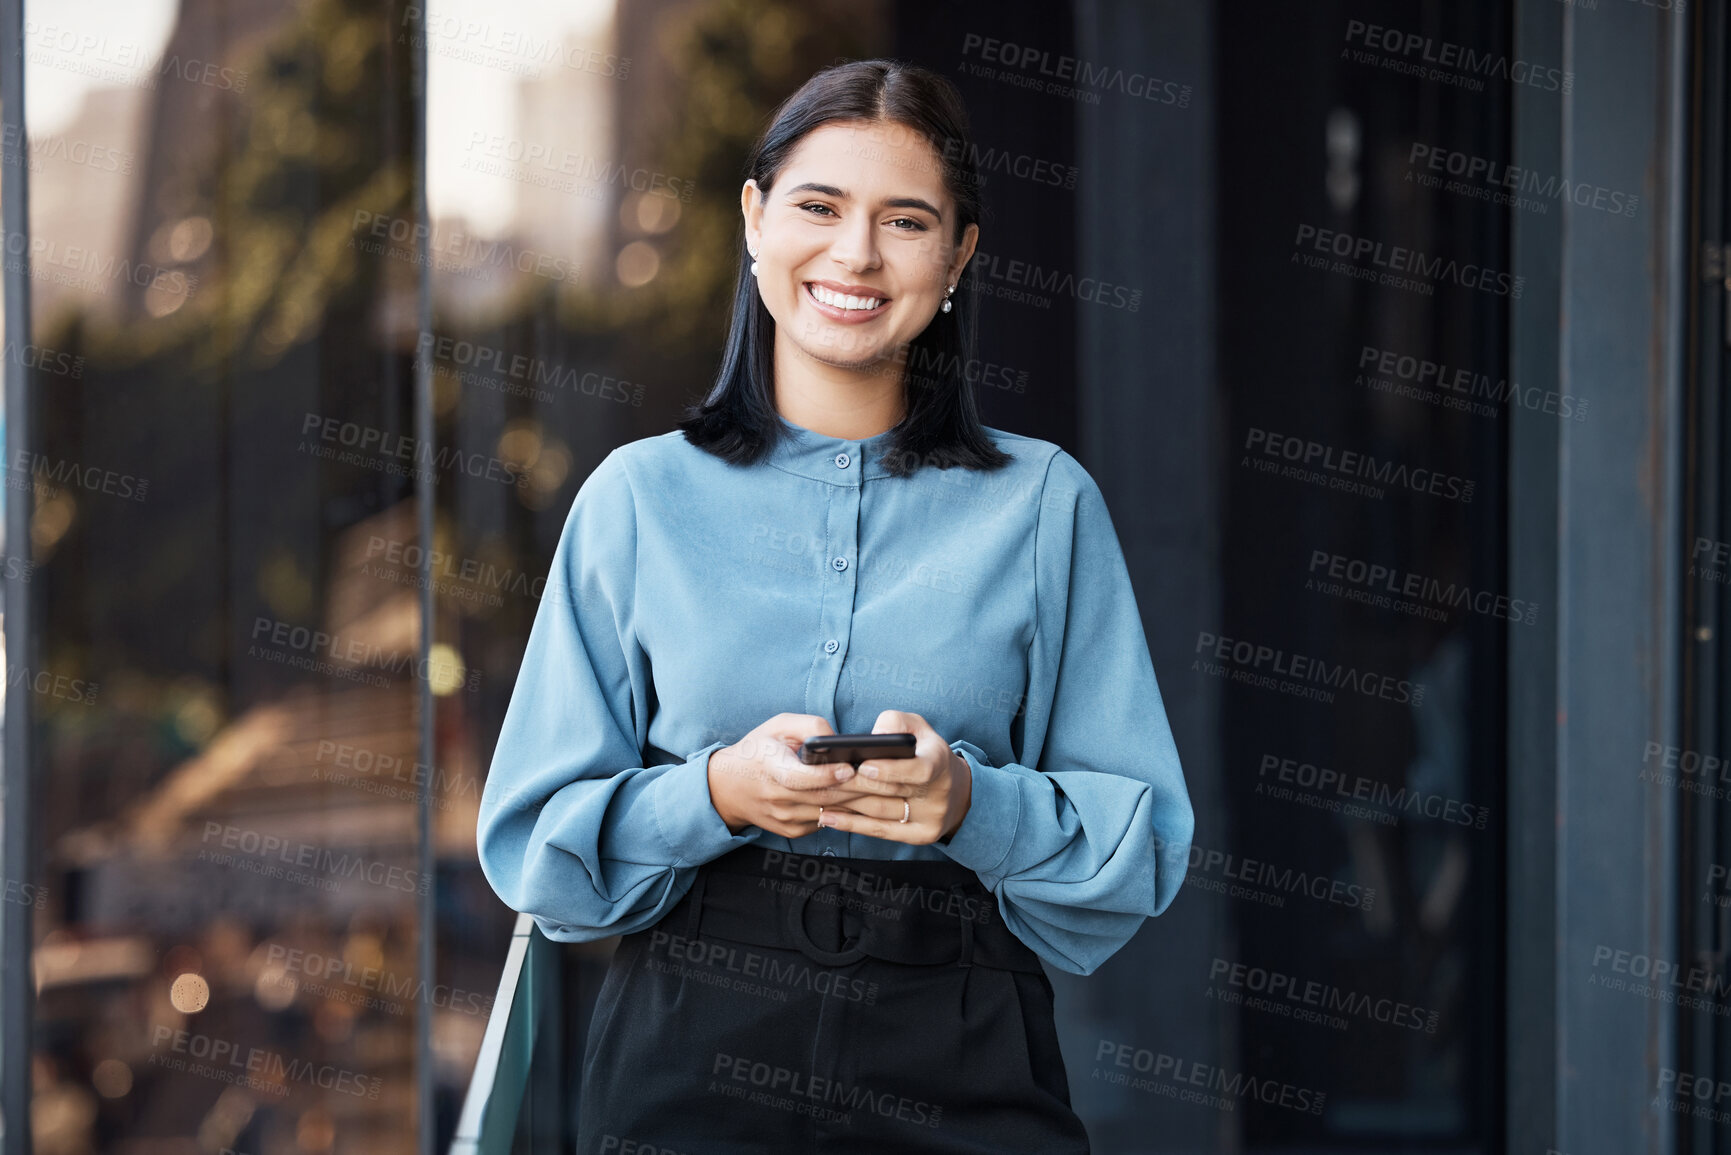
855 748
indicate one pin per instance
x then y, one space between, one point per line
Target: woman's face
859 210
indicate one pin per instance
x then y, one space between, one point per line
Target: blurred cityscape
224 293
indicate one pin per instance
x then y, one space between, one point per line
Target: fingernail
843 773
870 770
825 820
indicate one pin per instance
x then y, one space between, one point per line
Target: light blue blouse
690 600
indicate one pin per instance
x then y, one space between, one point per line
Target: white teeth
841 301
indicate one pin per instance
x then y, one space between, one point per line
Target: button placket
842 532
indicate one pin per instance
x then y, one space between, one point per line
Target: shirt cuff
686 817
982 842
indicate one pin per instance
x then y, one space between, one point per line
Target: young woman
830 958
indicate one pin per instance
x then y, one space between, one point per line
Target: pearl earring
753 263
947 292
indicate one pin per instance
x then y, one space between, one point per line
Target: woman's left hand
935 783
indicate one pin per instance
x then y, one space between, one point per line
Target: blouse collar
837 460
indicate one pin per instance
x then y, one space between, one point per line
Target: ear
964 253
751 209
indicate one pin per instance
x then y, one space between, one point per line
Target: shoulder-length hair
737 420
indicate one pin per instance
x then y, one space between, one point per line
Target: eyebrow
842 194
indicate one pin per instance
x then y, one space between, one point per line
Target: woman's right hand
760 781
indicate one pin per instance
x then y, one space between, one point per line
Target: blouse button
840 563
841 460
828 852
831 646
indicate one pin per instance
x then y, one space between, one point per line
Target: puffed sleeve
1090 837
572 829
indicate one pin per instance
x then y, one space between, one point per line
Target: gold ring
906 810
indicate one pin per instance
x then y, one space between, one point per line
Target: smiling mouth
842 301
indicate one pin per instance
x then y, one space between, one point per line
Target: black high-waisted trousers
815 1005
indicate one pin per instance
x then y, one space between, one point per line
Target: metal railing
517 1099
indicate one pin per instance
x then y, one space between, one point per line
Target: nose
855 245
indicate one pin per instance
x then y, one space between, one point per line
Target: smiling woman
882 226
860 212
830 956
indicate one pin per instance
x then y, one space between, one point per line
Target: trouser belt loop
966 959
695 914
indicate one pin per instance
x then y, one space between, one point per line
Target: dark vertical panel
428 1132
1318 129
18 852
1705 824
1148 423
1532 879
1605 491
